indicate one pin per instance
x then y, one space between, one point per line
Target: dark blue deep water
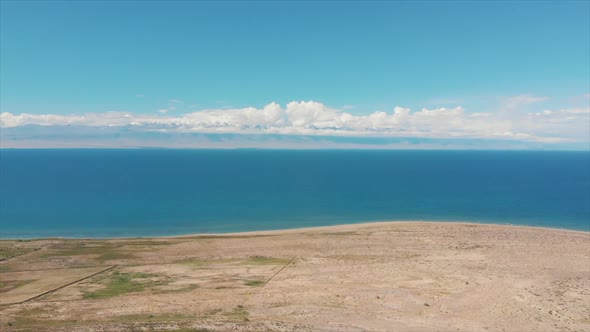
104 193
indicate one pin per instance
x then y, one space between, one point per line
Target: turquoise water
144 192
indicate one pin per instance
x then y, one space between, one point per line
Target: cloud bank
311 118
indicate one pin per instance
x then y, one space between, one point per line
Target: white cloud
515 102
314 118
577 111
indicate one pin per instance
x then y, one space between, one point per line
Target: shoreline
355 226
299 230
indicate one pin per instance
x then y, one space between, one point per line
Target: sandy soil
400 276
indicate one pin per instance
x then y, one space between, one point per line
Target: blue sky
157 61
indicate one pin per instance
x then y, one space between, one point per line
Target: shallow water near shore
157 192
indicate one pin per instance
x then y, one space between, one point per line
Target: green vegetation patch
121 283
113 255
253 260
341 233
185 288
165 317
5 268
148 243
37 319
7 252
203 262
254 283
103 251
263 260
6 285
81 248
194 261
239 313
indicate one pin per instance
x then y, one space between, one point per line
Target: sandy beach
387 276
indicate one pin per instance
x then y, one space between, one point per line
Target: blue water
103 193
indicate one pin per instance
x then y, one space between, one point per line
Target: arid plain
398 276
